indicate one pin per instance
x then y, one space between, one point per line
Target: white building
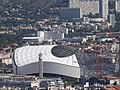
32 40
57 60
54 35
6 58
118 5
112 19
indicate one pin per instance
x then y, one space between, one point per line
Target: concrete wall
49 67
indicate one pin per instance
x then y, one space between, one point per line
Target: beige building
6 58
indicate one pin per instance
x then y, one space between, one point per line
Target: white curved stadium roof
29 54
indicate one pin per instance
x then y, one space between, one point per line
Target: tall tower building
118 5
103 8
112 6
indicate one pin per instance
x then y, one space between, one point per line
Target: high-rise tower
103 8
112 6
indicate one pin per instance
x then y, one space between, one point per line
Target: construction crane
99 51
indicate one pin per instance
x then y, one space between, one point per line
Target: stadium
60 61
57 60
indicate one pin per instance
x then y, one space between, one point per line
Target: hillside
16 12
27 3
31 3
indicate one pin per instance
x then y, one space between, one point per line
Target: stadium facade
57 60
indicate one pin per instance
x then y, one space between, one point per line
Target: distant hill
28 3
33 3
31 6
23 13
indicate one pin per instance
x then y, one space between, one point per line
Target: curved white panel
26 61
29 54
